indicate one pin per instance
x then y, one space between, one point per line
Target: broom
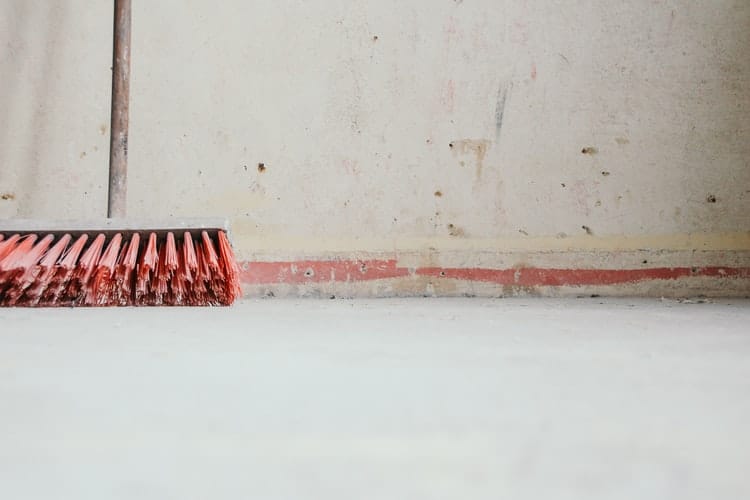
116 262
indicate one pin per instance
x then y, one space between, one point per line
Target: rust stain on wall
476 148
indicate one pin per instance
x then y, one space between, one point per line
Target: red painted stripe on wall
347 271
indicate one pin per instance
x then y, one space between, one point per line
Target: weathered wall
427 136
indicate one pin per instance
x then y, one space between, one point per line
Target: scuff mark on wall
582 197
350 166
448 96
502 100
451 30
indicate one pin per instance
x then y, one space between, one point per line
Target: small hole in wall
711 199
645 262
442 273
450 145
261 167
309 273
375 38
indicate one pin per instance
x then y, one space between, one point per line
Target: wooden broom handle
118 139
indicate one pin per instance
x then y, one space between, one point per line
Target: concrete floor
383 399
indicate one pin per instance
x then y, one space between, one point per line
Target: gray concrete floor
383 399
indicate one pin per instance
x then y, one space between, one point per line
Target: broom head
183 262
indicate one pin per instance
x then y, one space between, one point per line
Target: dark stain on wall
502 100
455 231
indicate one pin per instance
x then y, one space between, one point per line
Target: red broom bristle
210 252
209 294
171 268
125 270
216 273
25 270
51 257
47 270
99 289
198 292
145 268
114 291
9 265
177 283
159 288
14 255
189 257
170 259
77 288
231 271
8 245
63 271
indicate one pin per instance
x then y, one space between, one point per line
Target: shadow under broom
186 262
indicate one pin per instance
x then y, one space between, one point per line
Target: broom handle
118 139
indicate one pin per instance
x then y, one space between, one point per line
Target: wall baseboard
650 273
